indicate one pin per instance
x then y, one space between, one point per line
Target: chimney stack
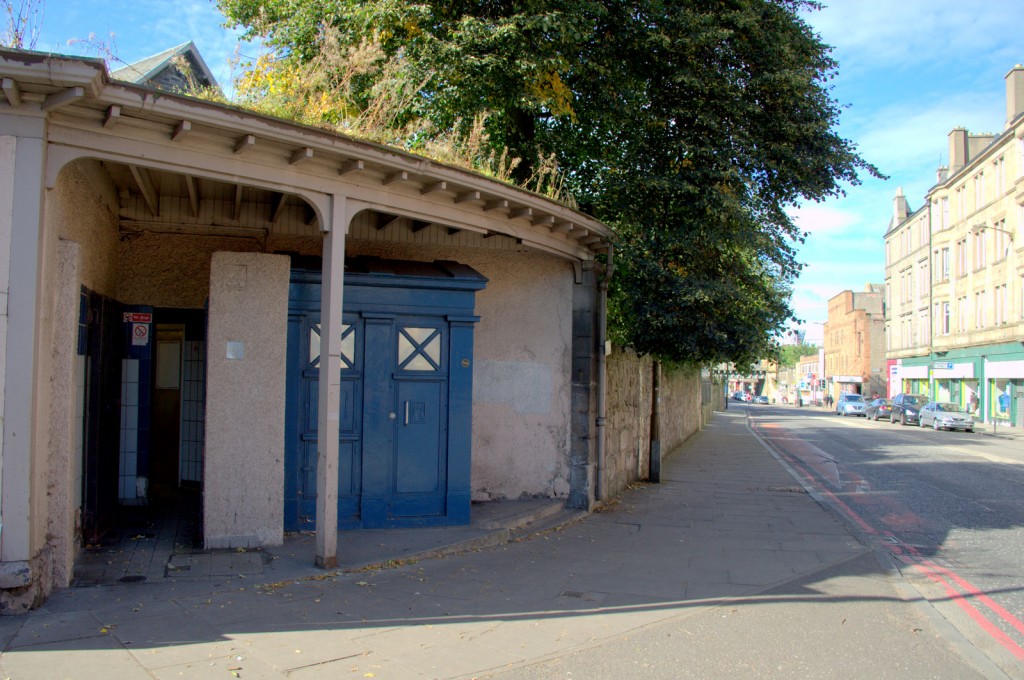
957 149
900 209
1014 93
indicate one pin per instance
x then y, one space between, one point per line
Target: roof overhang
91 116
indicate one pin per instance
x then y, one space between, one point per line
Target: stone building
955 275
175 274
854 343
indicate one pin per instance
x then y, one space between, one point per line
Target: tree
790 355
688 125
22 21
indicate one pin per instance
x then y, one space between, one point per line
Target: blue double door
405 407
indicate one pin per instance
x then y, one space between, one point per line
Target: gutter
600 492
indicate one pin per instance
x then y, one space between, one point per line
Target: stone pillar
584 388
243 479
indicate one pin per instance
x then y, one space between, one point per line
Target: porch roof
156 144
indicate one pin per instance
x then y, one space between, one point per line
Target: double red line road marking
817 468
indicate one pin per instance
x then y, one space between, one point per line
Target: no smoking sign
140 333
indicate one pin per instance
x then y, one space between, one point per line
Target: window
979 309
945 264
980 249
999 305
923 328
922 279
979 190
944 318
961 257
945 212
961 314
998 171
1001 238
922 233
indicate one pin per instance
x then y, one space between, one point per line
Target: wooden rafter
245 143
237 212
468 197
193 194
112 116
348 167
147 189
181 130
434 188
11 91
498 204
516 213
278 207
63 98
419 225
301 155
384 220
396 177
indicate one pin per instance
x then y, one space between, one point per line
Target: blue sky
909 72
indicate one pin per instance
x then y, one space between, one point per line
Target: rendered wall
244 475
628 427
521 381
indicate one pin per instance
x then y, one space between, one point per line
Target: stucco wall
521 376
628 425
171 270
244 474
74 209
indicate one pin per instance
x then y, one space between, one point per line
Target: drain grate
782 489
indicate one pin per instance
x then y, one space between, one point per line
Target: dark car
878 409
906 408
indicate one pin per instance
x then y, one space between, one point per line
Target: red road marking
929 568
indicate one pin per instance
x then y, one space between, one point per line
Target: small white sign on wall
236 350
140 333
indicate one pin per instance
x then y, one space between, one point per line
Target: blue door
404 453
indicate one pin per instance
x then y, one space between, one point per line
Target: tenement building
855 342
955 275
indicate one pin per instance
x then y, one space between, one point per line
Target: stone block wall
628 425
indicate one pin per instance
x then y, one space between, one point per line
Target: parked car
879 408
944 415
739 396
850 404
906 408
760 399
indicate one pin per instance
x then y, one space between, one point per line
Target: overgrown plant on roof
690 126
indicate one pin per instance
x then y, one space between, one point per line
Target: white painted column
335 227
21 174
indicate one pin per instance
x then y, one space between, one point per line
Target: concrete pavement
728 568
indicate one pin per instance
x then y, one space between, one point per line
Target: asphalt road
947 506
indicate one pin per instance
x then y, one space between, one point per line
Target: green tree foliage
688 125
789 355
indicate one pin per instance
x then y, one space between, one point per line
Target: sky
908 73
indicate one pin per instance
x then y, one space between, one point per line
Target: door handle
407 413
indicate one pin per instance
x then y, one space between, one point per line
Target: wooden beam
578 232
434 188
395 177
279 201
419 225
499 204
63 98
301 156
562 228
384 220
112 116
348 167
11 91
467 197
181 130
193 194
516 213
238 201
587 240
145 184
245 143
544 221
453 230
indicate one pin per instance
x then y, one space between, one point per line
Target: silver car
850 404
944 415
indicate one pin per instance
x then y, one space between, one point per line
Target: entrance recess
406 394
